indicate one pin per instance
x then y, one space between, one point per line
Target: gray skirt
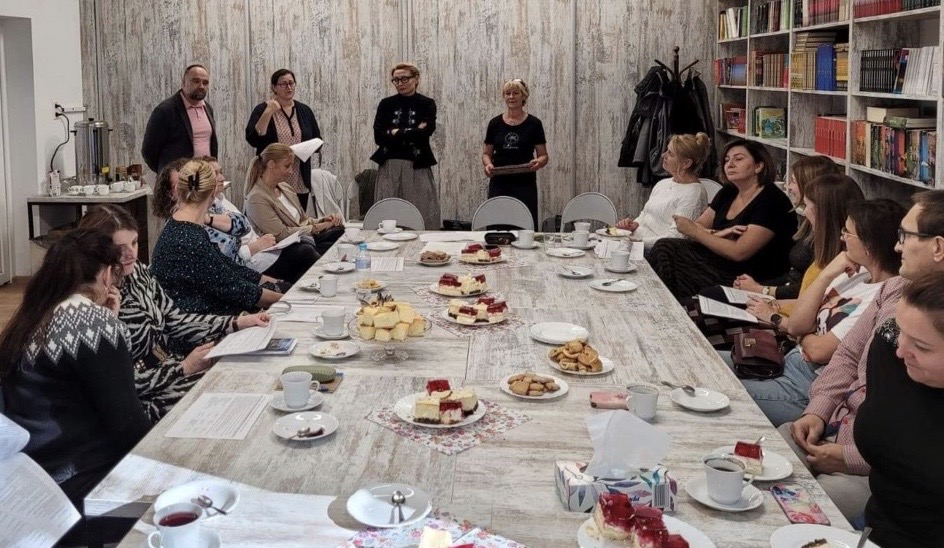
398 179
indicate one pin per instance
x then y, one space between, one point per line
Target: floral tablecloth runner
462 532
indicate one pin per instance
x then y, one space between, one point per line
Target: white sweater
669 198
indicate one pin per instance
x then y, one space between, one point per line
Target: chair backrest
711 187
502 210
350 197
589 206
402 211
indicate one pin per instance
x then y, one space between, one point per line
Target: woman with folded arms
168 346
747 228
191 268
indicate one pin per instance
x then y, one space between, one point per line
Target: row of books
733 23
773 16
770 69
734 117
829 136
911 71
817 12
869 8
826 68
908 153
730 71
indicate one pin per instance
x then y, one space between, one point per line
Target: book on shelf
907 153
730 71
733 23
772 16
770 122
871 8
818 12
905 122
734 117
909 71
770 69
829 135
877 115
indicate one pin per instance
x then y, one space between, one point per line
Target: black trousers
294 261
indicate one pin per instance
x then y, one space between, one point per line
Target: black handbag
757 354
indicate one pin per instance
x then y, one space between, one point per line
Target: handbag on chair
757 354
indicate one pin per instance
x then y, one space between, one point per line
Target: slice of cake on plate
443 405
615 518
752 455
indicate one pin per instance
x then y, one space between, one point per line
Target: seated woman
830 307
165 190
905 387
681 194
190 268
273 206
65 365
167 346
746 228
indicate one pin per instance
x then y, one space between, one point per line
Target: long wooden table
506 483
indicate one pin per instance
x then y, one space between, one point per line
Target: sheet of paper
739 296
605 248
458 236
289 240
219 416
386 264
13 438
305 149
711 307
636 251
244 341
303 311
36 513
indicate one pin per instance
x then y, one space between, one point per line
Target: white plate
500 259
400 236
320 333
288 426
435 263
608 366
570 245
694 537
404 409
565 252
798 534
564 388
338 268
434 288
445 315
628 269
382 246
751 497
372 506
315 399
575 272
620 232
223 495
621 286
380 285
534 245
776 467
394 231
558 332
334 350
704 400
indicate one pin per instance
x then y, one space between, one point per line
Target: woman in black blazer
287 121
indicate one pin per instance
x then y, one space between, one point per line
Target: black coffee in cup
725 465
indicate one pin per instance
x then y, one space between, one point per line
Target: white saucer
608 366
208 539
394 231
320 333
621 286
334 350
382 246
315 399
620 232
380 285
704 400
798 534
223 495
288 426
338 267
534 245
564 388
575 272
558 332
372 506
628 269
565 252
775 468
346 240
435 263
675 526
590 245
400 236
751 497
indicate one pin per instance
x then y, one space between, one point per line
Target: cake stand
389 351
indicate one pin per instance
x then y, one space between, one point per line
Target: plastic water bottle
362 262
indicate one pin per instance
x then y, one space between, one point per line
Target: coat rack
674 71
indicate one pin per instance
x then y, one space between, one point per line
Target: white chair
502 210
711 187
589 206
403 212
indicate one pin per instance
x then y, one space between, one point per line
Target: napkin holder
578 491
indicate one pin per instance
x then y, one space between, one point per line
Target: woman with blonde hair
681 194
515 138
191 268
273 208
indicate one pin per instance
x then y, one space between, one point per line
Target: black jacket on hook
665 106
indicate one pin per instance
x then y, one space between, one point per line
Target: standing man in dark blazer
182 126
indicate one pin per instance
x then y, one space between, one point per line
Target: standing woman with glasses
515 137
402 128
284 120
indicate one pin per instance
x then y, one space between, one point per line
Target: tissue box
578 491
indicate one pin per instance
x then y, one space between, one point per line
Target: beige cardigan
269 216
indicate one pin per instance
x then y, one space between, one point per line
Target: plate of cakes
481 254
389 321
531 386
477 312
434 258
440 406
617 523
577 357
461 285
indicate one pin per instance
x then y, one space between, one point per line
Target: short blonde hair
196 181
518 84
692 147
414 72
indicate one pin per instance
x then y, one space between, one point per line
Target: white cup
581 227
581 238
328 287
724 477
333 321
352 234
178 526
526 238
102 189
619 260
295 386
130 186
88 190
642 400
346 252
75 190
117 186
388 224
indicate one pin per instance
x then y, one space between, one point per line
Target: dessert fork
688 389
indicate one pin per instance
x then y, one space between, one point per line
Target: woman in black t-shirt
747 228
515 138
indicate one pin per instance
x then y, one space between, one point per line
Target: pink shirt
202 129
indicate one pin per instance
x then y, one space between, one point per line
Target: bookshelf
915 28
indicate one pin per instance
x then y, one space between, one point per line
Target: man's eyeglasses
902 234
400 80
286 85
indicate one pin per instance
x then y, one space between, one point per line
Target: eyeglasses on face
286 85
400 79
902 234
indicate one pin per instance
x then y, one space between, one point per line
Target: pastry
615 518
389 320
577 356
426 410
531 384
752 455
483 310
435 538
434 257
450 411
457 286
451 406
466 396
477 253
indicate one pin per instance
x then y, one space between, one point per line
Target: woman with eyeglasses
515 138
402 128
284 120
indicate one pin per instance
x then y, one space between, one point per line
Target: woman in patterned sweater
168 346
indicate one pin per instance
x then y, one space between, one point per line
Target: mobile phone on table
797 504
608 400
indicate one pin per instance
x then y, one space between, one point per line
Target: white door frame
6 228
